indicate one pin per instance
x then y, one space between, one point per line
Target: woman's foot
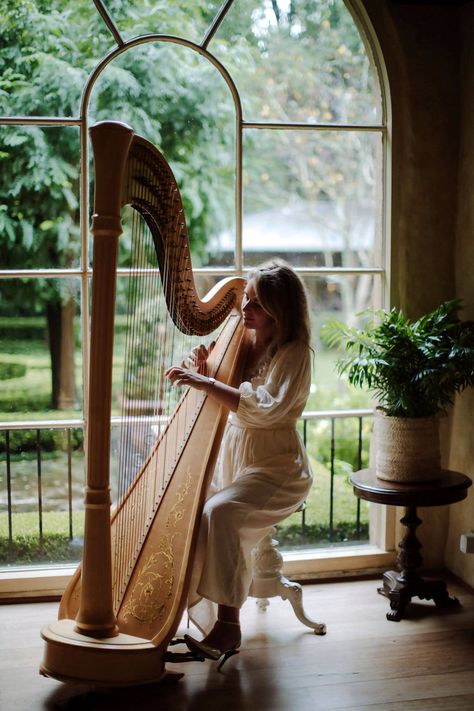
224 635
223 640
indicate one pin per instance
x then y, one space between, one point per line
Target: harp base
75 658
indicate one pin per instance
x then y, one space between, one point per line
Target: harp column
111 143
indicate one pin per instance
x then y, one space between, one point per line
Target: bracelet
212 381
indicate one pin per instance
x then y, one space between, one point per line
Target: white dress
262 476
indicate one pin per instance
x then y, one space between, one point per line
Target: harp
125 601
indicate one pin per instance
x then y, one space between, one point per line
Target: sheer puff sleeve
280 399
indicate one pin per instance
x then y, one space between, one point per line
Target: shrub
22 441
8 371
28 549
320 534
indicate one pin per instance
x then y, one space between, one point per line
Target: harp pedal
178 657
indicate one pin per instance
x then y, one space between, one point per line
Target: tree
47 50
298 61
305 62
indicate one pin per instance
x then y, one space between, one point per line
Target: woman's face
255 317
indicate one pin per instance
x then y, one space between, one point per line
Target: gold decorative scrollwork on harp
126 600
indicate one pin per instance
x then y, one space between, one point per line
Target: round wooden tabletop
448 488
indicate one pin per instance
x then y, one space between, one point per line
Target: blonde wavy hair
282 295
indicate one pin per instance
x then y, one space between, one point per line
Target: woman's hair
282 295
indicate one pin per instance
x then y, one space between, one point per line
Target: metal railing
28 449
333 416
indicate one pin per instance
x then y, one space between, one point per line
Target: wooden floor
364 662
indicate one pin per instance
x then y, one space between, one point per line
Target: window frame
310 565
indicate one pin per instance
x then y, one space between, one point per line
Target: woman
263 473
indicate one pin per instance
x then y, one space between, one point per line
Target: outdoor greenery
55 544
179 101
414 368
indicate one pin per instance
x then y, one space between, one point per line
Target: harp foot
122 660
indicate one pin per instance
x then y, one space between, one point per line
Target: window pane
304 62
312 197
42 475
185 19
47 51
39 197
146 343
339 297
180 102
40 349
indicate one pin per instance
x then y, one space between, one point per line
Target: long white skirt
266 476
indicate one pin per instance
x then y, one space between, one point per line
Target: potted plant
414 369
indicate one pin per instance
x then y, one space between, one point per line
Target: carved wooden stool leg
268 581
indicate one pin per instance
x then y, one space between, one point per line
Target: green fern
414 368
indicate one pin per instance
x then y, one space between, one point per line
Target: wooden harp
125 602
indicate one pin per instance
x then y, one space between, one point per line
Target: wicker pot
406 449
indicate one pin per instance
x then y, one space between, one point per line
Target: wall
429 62
462 441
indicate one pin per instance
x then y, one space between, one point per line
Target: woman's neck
255 356
259 344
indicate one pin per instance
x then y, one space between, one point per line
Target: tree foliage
292 61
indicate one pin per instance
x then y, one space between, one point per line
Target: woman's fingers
183 376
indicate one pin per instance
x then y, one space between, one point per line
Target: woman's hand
199 355
226 395
183 376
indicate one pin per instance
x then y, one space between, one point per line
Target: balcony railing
42 480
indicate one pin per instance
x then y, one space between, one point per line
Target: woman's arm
224 394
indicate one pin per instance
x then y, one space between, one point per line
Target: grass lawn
56 546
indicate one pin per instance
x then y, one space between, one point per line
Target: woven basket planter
406 449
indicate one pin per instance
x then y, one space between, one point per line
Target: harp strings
152 343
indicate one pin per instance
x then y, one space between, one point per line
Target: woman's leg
228 614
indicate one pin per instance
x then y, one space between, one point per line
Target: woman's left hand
183 376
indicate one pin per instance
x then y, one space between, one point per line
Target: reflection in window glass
179 102
301 62
312 197
39 197
40 349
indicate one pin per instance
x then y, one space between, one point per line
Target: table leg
400 586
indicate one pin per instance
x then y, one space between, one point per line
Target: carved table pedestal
402 585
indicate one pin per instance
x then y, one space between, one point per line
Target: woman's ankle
228 614
224 635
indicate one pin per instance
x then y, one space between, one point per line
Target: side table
400 586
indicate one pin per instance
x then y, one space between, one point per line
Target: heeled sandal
206 650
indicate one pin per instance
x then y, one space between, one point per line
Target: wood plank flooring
425 662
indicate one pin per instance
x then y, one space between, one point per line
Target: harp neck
131 171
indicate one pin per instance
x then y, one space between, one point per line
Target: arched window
273 115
